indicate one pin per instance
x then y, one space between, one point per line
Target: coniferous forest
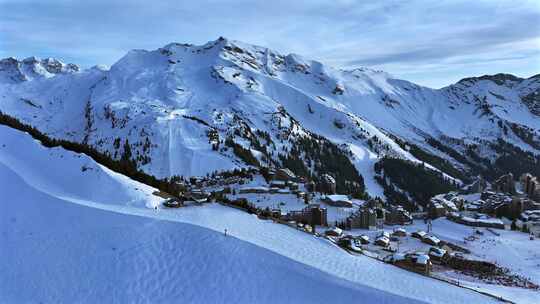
125 165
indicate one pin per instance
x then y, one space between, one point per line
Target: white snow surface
68 235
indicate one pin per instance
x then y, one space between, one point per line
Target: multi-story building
531 186
365 218
313 215
505 184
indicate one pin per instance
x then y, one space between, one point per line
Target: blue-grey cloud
431 42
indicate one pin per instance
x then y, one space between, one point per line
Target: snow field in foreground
56 249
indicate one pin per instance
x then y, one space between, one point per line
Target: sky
430 42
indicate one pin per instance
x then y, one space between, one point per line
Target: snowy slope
72 240
69 176
86 255
174 103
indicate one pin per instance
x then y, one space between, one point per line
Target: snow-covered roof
336 230
337 197
422 259
398 256
256 188
383 239
432 238
421 233
437 251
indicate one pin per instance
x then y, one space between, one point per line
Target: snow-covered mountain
192 110
15 71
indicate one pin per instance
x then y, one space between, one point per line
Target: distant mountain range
195 110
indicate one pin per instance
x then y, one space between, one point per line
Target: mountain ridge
188 109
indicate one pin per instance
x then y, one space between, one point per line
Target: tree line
125 165
420 183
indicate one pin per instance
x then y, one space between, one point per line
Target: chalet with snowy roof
396 215
197 195
173 202
337 200
476 205
382 241
420 234
334 231
437 254
364 239
479 220
399 232
418 261
245 190
431 240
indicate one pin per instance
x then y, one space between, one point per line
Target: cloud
416 39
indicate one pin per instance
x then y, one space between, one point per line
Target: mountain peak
13 70
500 79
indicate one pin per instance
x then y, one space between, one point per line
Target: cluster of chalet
500 207
276 187
194 195
477 220
373 215
284 181
442 204
421 262
417 261
397 215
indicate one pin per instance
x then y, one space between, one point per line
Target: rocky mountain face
195 110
